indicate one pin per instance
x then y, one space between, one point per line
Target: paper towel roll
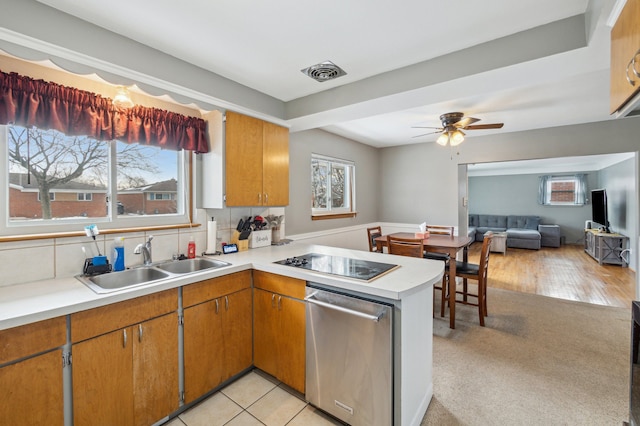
212 228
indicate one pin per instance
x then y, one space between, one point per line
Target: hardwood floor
566 272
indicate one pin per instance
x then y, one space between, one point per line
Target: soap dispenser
118 254
191 248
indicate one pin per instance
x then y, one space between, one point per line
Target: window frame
29 230
350 184
546 198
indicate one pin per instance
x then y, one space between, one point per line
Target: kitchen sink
107 283
191 265
114 281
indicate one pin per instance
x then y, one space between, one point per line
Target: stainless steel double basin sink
142 275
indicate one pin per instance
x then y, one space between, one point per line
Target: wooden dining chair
467 271
372 234
440 229
405 246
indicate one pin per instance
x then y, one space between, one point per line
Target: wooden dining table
439 244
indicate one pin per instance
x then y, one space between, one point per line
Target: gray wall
421 182
366 158
518 195
620 182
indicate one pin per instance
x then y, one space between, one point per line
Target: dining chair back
405 246
440 230
372 234
477 272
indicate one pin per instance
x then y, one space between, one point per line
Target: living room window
332 188
562 190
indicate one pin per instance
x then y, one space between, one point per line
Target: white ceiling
264 45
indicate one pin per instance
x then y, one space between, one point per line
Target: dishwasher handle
374 318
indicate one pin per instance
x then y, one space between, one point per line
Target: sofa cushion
492 221
523 234
473 220
523 222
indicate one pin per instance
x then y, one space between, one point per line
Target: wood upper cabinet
32 389
279 328
256 162
127 375
217 332
625 52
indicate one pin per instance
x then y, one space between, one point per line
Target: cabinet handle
217 306
633 61
630 64
140 333
279 303
124 338
266 198
259 198
226 303
273 300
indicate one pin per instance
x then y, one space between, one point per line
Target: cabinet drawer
94 322
274 283
213 288
19 342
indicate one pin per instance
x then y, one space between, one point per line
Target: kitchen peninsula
408 289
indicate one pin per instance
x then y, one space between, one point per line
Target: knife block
242 244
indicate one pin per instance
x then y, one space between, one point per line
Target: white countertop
26 303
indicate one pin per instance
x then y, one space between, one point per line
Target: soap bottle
118 254
191 249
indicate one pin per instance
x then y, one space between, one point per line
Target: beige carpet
538 361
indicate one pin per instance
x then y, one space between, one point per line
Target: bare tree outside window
332 186
43 162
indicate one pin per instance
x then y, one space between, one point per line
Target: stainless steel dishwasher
349 371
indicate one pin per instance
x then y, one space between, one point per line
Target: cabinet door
292 345
155 369
276 165
265 331
32 391
237 333
243 160
103 380
203 349
625 42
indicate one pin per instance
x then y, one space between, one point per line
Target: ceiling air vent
324 71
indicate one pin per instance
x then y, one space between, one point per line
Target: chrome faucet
145 249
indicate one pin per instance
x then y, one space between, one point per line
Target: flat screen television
599 208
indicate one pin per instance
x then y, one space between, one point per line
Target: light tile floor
254 399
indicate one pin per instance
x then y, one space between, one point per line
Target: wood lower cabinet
127 376
32 391
31 378
217 332
279 328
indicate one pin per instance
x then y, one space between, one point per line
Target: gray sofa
522 231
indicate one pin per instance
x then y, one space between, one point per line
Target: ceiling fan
452 125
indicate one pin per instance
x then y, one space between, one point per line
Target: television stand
605 247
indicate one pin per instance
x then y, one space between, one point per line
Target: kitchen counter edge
22 304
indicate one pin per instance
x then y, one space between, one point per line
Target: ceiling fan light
443 139
122 99
457 137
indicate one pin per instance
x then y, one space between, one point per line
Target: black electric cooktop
359 269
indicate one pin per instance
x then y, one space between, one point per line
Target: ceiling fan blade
425 134
465 121
427 127
484 126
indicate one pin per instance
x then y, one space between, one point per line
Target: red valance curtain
27 102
